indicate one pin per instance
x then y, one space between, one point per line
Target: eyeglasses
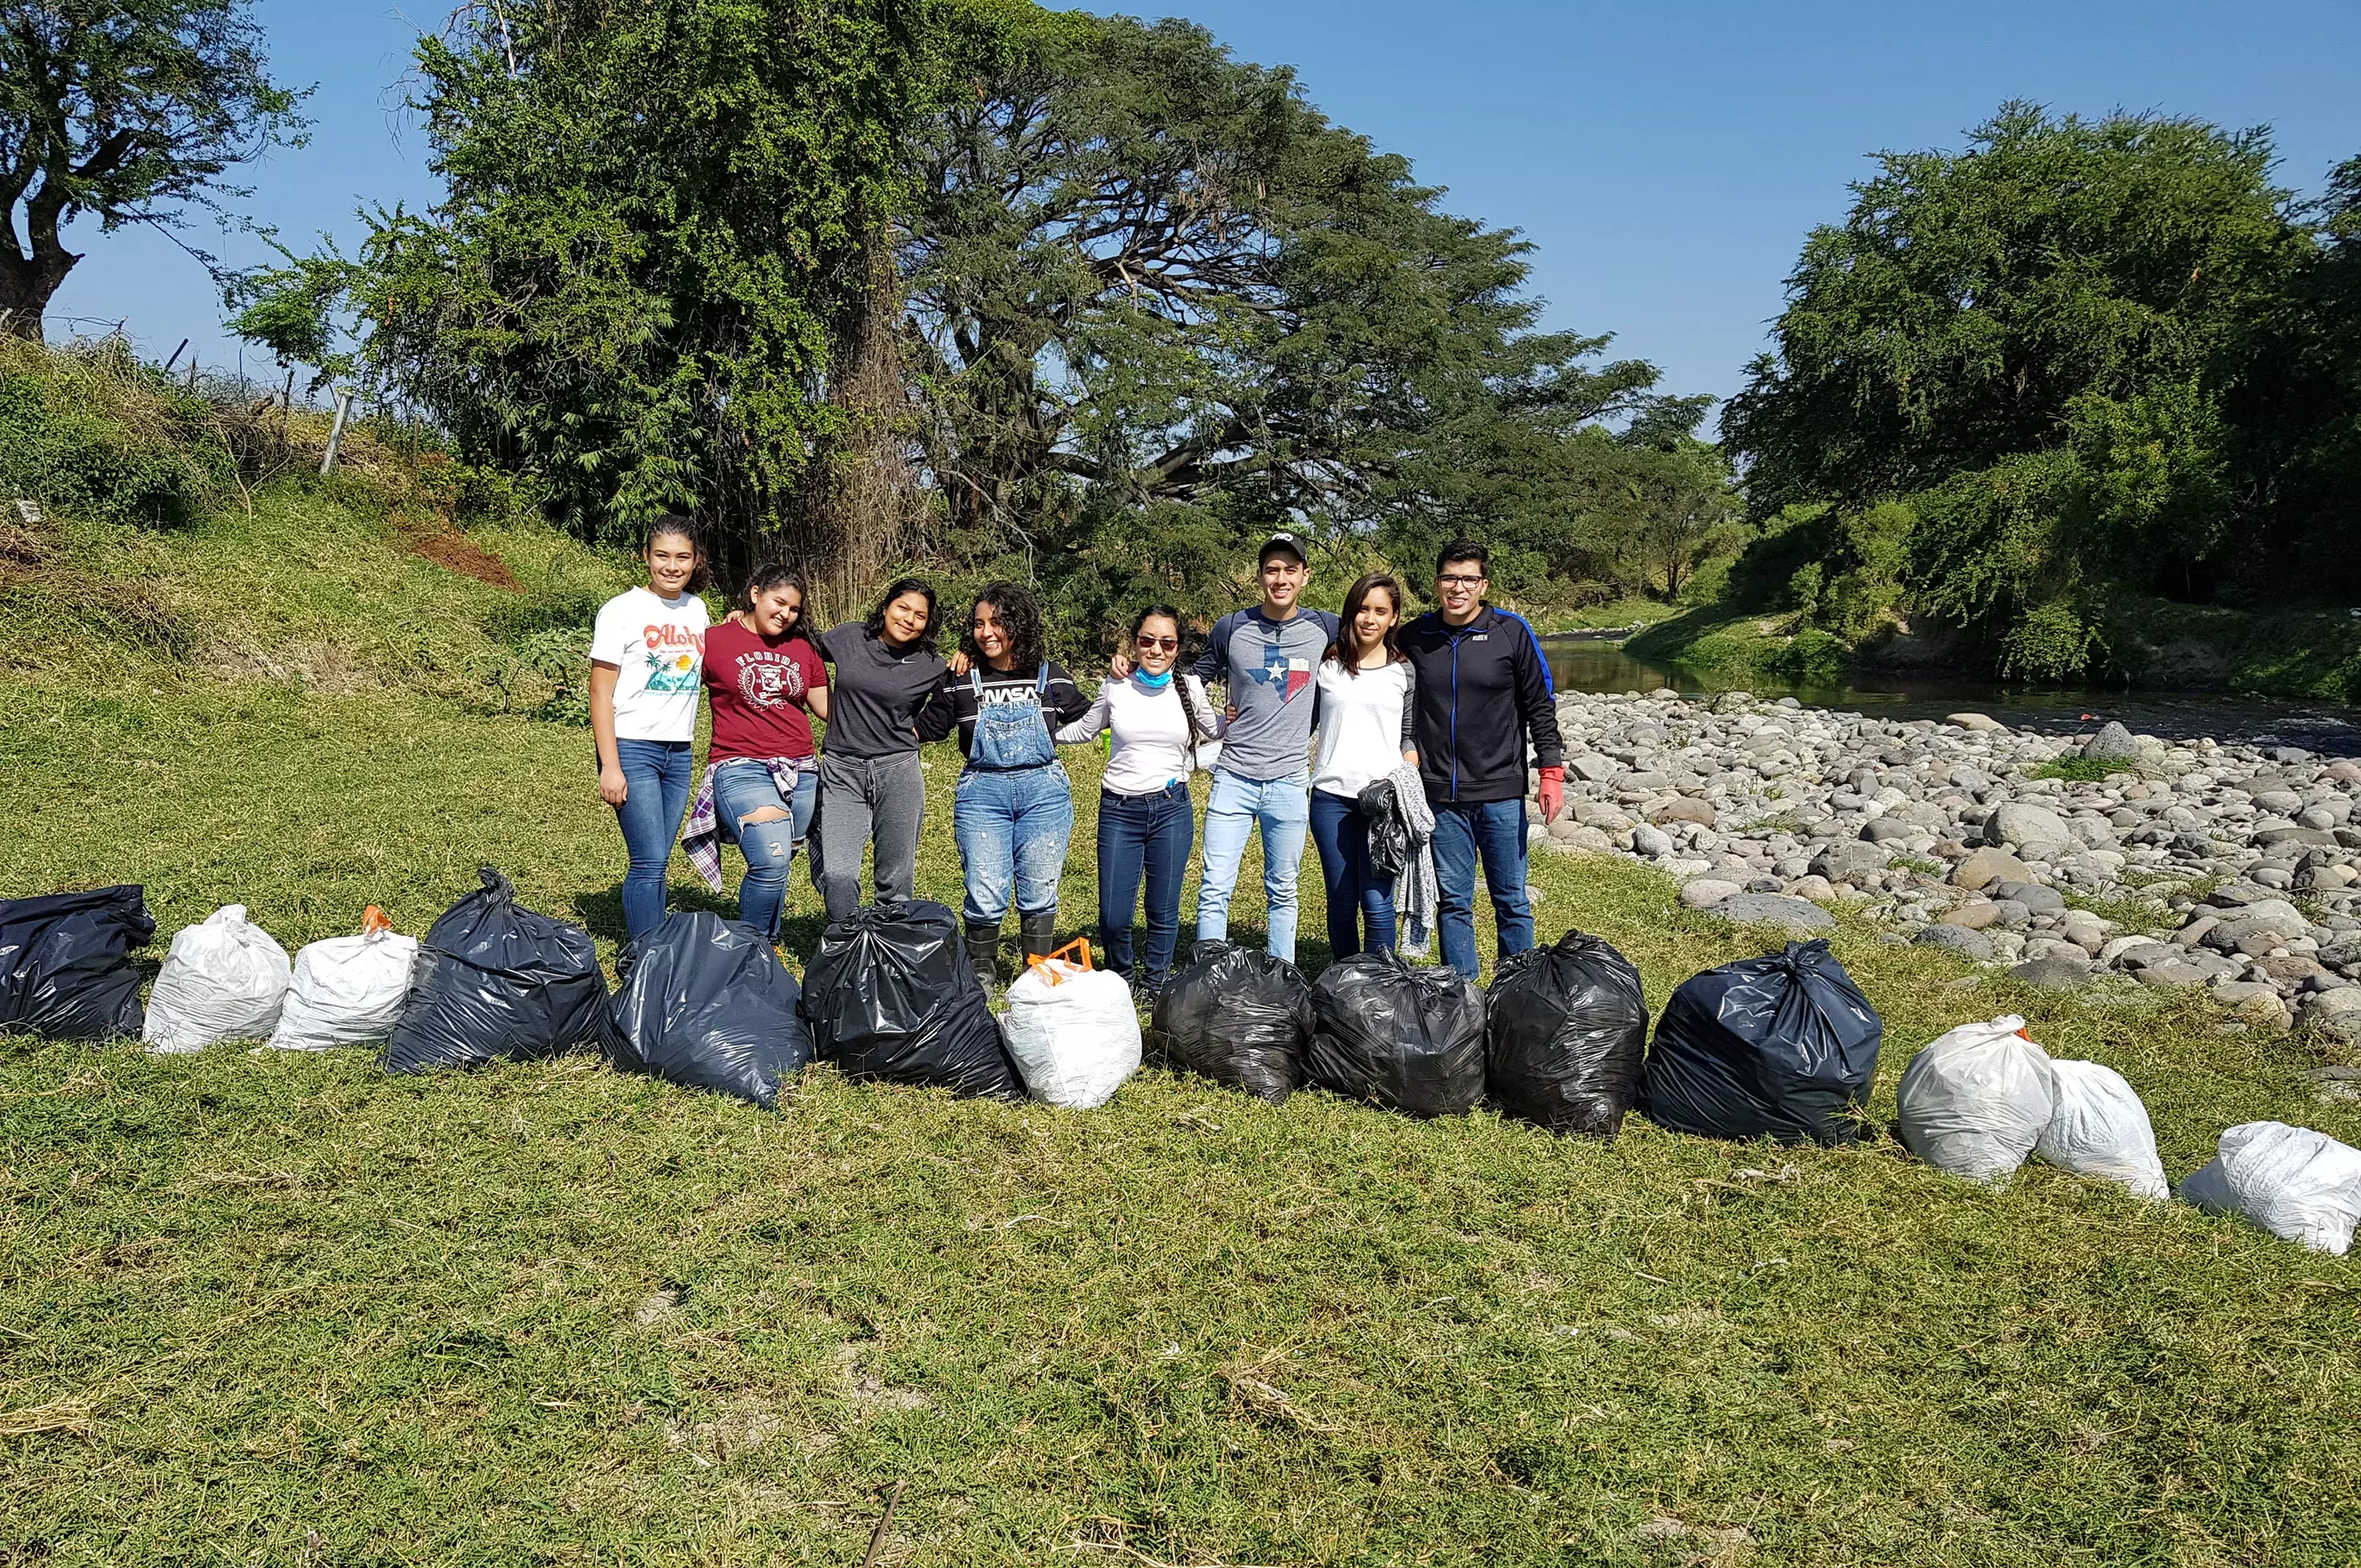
1159 645
1458 582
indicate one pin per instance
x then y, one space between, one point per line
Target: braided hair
1179 678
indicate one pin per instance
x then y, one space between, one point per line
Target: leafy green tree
2299 408
659 214
1970 299
1161 302
1663 500
1682 512
2041 342
293 311
130 110
2333 301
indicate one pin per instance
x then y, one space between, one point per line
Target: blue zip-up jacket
1482 689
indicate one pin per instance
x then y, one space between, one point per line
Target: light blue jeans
1283 808
741 788
1012 826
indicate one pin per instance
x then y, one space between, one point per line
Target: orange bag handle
1076 952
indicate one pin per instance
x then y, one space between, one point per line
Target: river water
1592 664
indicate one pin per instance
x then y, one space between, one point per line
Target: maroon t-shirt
758 691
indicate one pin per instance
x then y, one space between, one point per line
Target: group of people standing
1342 728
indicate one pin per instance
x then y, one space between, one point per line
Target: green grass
2285 651
2134 915
1630 610
1723 649
317 589
272 1308
2080 770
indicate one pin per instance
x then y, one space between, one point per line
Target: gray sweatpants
860 796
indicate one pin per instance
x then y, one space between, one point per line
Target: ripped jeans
1012 827
743 789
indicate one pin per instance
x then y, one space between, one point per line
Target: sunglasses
1159 645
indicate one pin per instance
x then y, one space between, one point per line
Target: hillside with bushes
183 531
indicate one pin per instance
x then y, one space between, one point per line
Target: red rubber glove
1553 794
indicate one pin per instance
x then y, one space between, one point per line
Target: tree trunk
27 283
855 510
27 287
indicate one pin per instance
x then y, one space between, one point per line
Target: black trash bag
890 995
1237 1016
1566 1031
65 973
1781 1046
709 1004
1388 839
1408 1039
493 982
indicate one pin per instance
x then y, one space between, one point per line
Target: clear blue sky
1666 159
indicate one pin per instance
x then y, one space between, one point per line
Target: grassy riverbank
1612 615
2149 643
289 1311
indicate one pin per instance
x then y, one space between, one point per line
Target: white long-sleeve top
1364 723
1151 733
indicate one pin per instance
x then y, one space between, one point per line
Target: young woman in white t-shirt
647 668
1158 716
1364 715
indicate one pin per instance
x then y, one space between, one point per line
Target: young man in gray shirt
1268 658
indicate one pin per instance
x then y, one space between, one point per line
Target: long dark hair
875 625
1347 638
1179 677
780 575
1020 616
672 525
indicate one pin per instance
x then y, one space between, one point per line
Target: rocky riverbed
2190 864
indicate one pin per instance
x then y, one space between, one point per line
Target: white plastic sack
2100 1129
1074 1032
347 991
2299 1185
224 979
1975 1101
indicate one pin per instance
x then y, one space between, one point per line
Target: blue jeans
1138 833
1356 893
741 789
658 776
1496 831
1012 827
1283 808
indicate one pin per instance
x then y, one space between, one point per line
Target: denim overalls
1010 735
1013 811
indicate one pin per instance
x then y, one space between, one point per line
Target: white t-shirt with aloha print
658 645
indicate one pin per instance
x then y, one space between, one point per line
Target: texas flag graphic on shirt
1283 674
